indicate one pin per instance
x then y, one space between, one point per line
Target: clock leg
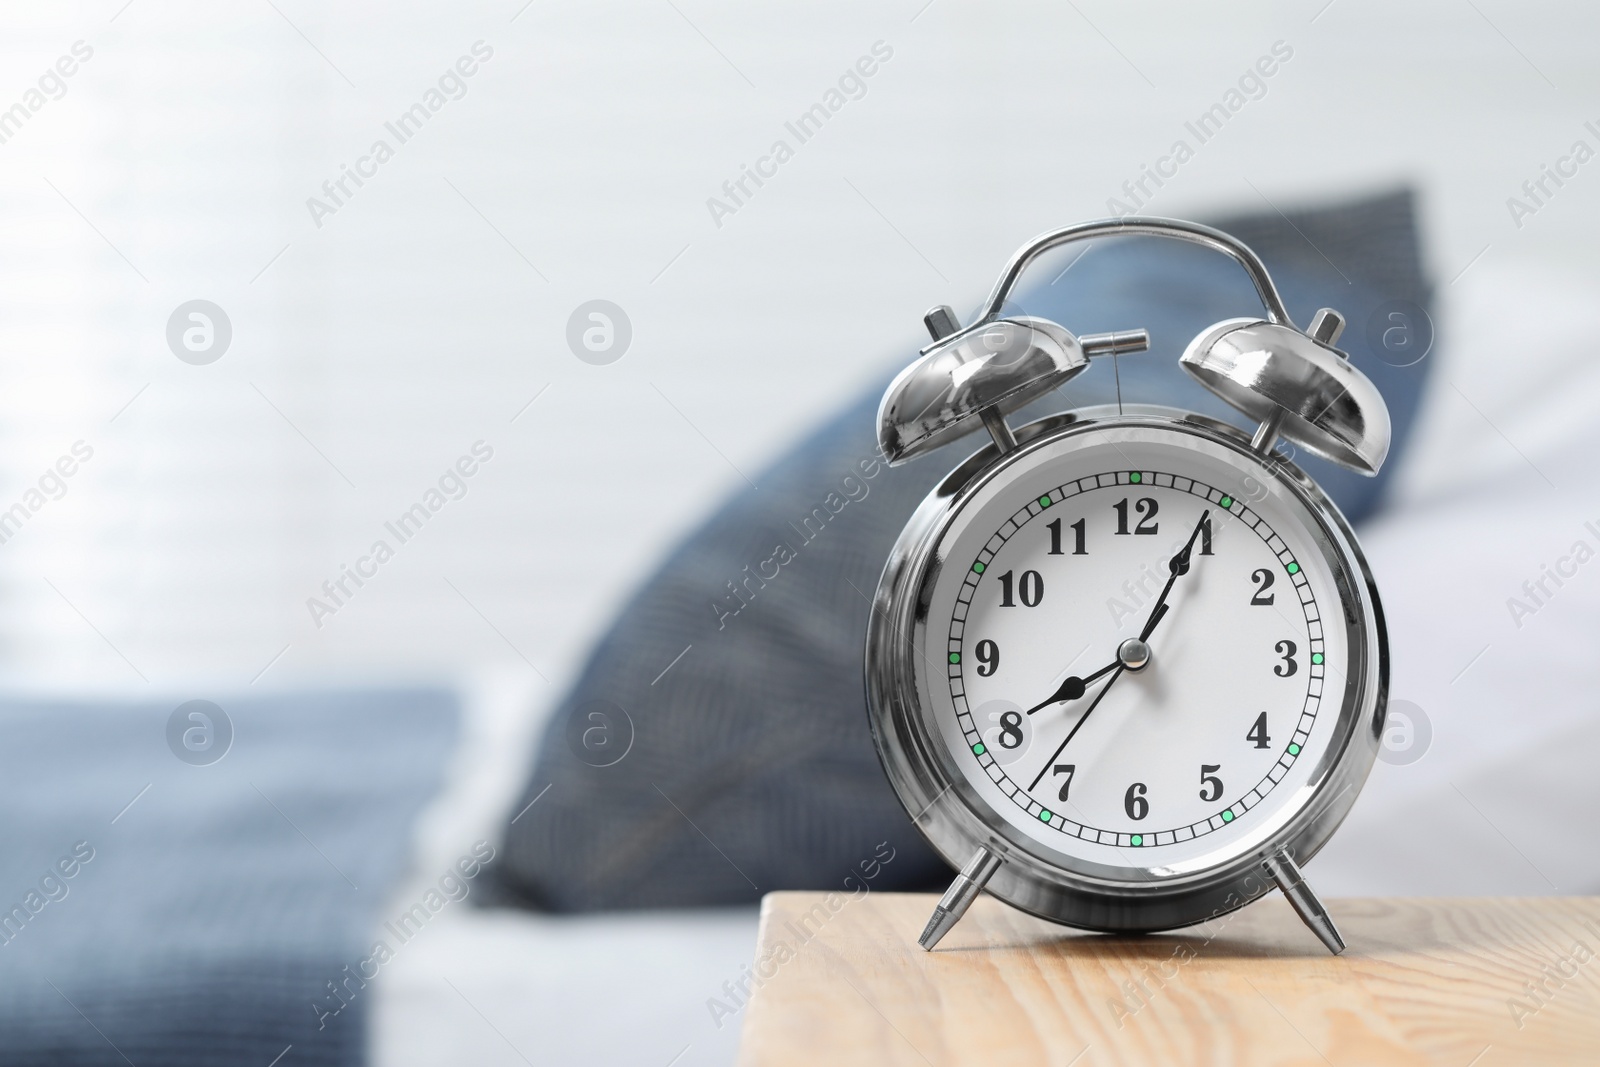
1305 902
959 897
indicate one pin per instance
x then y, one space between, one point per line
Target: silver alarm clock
1127 667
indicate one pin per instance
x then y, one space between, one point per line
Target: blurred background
370 352
376 335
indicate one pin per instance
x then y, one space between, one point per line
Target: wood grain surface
1479 982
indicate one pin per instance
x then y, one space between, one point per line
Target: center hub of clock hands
1132 655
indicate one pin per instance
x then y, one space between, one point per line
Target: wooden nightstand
1478 982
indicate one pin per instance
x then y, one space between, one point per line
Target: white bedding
1501 803
1502 484
505 987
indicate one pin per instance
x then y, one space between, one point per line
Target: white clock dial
1171 755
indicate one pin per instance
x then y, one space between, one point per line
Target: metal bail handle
1290 381
1146 226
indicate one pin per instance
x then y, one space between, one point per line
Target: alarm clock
1127 667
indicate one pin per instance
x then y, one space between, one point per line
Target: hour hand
1073 688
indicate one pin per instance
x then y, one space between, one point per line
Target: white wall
407 327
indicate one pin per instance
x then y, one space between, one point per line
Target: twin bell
1294 384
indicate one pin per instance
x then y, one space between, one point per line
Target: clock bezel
1065 889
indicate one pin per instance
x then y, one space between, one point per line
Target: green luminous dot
1044 816
978 749
1293 568
1226 502
978 568
1138 839
1135 477
1294 750
1044 502
955 657
1227 816
1316 657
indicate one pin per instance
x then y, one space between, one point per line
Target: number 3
1286 649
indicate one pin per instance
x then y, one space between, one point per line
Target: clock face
1136 650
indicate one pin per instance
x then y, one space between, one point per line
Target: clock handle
1284 871
1140 225
959 897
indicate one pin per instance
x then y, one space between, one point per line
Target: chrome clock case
1030 876
1294 384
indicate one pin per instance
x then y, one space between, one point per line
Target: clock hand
1179 565
1078 726
1155 620
1073 687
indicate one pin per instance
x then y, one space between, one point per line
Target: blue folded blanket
161 912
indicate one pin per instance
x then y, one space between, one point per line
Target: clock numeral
1263 579
1258 732
1030 588
1078 529
1134 803
1286 649
988 657
1068 769
1210 784
1146 507
1010 729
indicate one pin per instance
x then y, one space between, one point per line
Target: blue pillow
731 685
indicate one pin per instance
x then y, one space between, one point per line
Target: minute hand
1077 726
1178 565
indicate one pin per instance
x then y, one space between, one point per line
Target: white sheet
504 988
1502 484
509 987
